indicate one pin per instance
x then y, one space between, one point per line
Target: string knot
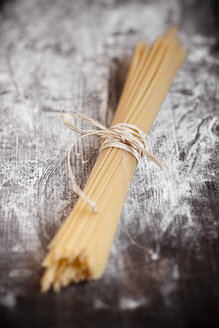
124 136
128 137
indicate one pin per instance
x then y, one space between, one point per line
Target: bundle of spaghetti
80 249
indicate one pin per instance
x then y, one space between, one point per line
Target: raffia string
125 136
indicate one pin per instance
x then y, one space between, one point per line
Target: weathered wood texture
55 53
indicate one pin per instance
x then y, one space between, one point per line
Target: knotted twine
124 136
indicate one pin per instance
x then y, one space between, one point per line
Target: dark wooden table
55 53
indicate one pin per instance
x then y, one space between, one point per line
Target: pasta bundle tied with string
80 249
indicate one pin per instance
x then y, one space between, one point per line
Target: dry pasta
80 249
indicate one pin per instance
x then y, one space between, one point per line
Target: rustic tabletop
76 53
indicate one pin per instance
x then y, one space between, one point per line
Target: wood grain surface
76 53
